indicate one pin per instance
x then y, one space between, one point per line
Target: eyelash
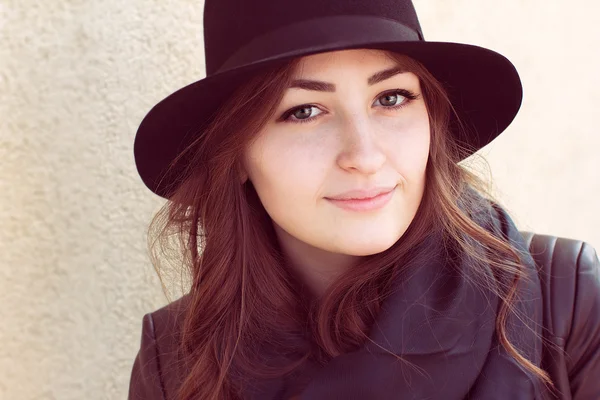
407 94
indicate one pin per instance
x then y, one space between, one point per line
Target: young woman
336 248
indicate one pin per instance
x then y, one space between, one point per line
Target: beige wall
76 78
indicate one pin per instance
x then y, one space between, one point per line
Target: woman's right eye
300 114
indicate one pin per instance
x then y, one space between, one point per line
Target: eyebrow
321 86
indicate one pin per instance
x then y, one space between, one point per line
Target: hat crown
231 24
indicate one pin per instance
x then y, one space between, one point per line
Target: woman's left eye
393 99
396 98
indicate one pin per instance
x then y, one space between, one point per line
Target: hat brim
483 86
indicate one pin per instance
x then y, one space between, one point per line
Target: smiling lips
363 200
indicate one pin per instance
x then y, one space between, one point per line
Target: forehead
366 59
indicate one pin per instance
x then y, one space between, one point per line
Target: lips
363 200
362 194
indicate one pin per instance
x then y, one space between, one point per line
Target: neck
316 268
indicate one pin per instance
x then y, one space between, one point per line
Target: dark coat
569 287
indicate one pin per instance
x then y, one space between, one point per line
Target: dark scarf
443 325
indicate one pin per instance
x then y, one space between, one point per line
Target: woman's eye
300 114
395 98
390 99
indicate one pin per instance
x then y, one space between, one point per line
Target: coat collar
441 326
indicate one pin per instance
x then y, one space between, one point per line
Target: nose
360 150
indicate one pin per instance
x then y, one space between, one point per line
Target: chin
358 246
368 239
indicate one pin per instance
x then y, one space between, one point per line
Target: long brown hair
243 299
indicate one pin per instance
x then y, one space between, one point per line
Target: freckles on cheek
409 147
288 168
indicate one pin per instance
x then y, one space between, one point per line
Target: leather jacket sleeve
146 381
583 342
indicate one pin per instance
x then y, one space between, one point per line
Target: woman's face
347 128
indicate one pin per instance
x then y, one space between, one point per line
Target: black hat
242 36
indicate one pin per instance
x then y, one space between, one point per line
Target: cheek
408 147
285 170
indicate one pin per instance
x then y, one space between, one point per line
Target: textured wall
77 77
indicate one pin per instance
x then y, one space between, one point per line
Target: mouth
363 200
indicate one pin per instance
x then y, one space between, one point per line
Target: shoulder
583 338
156 369
570 278
569 271
166 321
